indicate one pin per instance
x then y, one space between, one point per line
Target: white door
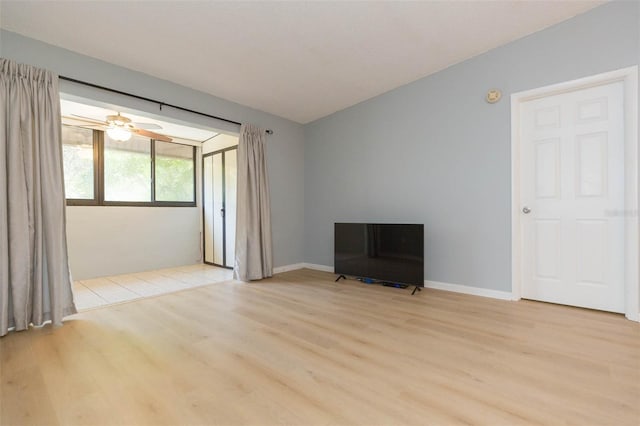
230 192
207 206
572 198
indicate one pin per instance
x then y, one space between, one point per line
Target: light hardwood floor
299 349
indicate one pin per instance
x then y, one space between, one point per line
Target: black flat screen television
387 252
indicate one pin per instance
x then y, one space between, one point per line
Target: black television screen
386 252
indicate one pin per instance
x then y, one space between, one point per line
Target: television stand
388 284
384 283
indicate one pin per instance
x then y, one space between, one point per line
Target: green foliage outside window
174 172
77 152
127 170
127 173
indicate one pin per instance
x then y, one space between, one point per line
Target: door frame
629 78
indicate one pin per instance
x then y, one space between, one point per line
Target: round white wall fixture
493 96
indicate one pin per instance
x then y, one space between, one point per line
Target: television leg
416 288
338 279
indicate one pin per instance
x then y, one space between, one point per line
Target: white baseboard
317 267
287 268
296 266
632 318
476 291
456 288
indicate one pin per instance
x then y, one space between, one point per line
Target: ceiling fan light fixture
119 133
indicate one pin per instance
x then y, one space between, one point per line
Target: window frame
96 176
98 180
153 178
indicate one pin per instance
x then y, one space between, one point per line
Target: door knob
526 210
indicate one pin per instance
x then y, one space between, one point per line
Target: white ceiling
299 60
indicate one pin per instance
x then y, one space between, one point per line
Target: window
141 171
79 168
127 169
174 172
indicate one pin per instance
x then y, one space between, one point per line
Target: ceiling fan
118 127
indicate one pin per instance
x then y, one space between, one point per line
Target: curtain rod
120 92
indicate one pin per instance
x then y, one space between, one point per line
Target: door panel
231 173
219 206
547 168
591 251
218 210
547 241
572 165
591 164
207 205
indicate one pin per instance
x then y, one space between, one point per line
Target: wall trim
455 288
465 289
296 266
317 267
287 268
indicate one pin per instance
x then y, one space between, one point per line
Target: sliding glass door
219 187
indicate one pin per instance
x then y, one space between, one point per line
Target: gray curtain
254 258
35 283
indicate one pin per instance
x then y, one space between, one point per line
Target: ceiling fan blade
147 126
90 119
152 135
81 122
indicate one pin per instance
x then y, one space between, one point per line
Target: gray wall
285 153
435 152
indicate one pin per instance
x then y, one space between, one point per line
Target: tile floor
97 292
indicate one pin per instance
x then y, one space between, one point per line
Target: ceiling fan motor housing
118 120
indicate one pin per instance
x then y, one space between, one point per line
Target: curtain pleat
35 282
254 257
